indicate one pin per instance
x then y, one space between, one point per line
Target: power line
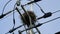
34 26
5 6
1 16
40 8
32 2
22 25
46 15
56 11
41 24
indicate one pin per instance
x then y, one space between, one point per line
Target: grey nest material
26 21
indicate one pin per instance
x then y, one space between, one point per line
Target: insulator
46 15
18 3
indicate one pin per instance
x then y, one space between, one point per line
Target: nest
26 21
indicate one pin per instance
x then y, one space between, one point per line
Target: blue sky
47 5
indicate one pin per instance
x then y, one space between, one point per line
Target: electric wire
14 18
40 8
2 16
41 24
33 27
5 6
52 13
28 16
49 20
36 25
56 11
